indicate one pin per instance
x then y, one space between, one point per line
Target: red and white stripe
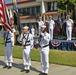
4 14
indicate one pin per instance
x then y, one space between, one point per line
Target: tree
61 4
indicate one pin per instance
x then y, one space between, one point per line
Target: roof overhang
51 13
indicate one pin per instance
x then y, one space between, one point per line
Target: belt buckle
24 47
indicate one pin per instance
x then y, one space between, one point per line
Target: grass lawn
56 56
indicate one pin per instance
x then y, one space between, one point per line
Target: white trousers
8 54
39 32
69 33
26 58
44 55
51 33
33 34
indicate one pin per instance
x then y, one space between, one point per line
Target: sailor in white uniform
8 48
33 31
26 40
40 23
69 25
51 27
44 50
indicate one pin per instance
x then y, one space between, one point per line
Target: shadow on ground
20 66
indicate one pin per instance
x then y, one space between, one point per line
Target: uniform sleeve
43 23
11 34
21 37
47 39
34 30
14 30
72 21
54 22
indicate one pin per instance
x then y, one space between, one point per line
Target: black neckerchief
26 39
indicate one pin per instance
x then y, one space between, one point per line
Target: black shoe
9 67
23 70
5 67
41 73
45 74
27 71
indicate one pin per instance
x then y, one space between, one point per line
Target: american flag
4 14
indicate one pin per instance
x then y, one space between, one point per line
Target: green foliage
61 4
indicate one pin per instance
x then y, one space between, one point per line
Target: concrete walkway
35 69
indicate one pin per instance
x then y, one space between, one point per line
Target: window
24 11
38 9
21 12
33 10
55 6
23 24
52 6
29 11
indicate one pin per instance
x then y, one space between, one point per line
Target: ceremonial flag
29 24
4 14
16 15
59 19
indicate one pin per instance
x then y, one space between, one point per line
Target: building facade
30 10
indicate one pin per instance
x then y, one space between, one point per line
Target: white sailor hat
50 16
25 27
43 26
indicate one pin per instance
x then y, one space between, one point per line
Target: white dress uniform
33 31
44 51
13 31
69 28
27 41
8 48
40 23
51 28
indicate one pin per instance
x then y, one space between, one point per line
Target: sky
8 1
